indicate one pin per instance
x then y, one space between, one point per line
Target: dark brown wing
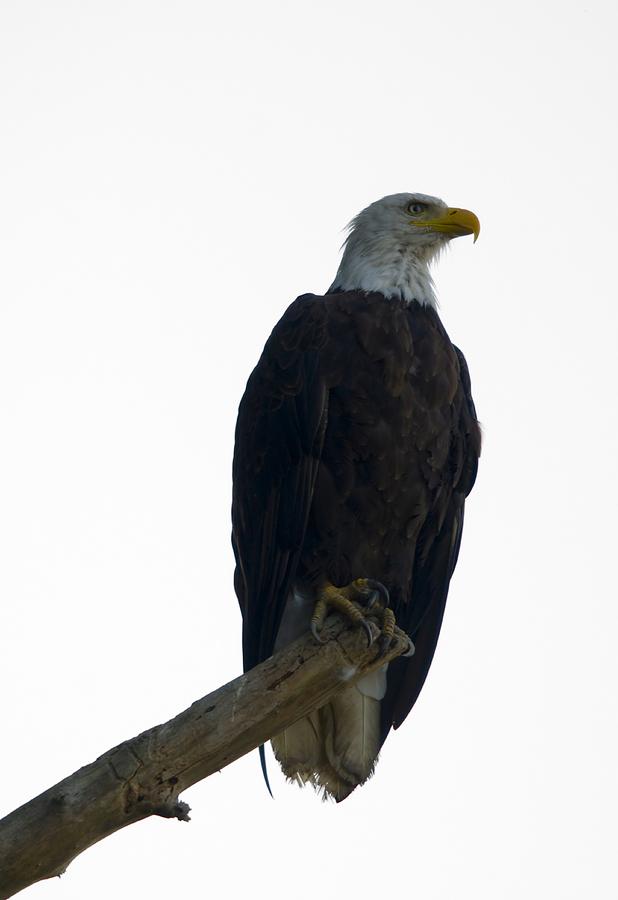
279 437
435 560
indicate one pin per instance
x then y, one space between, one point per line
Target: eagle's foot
341 600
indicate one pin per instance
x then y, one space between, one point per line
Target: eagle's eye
417 208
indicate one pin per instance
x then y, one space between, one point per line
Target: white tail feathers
334 749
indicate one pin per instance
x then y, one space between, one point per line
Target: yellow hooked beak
454 222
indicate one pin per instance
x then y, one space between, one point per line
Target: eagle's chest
386 446
391 392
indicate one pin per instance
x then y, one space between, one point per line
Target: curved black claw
370 636
385 642
378 591
316 634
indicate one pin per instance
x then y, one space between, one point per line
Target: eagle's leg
345 600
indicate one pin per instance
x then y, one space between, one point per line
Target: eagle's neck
388 268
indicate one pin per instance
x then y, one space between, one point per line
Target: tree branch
145 775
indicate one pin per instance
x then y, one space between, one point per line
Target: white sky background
172 175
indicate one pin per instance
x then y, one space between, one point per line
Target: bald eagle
356 445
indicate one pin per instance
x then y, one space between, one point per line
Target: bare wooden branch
145 775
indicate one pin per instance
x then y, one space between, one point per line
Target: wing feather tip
265 770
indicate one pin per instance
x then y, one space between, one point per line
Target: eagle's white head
392 242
